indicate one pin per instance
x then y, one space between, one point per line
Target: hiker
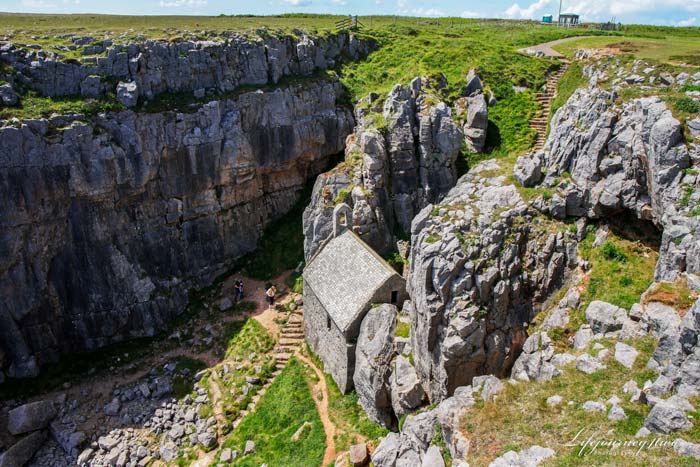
240 289
236 291
271 295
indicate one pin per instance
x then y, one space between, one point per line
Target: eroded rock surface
400 158
480 260
107 222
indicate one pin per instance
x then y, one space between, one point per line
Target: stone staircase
291 338
544 98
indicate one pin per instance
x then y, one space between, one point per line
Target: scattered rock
589 364
359 456
112 409
249 448
554 400
8 97
616 413
666 417
593 406
583 337
528 170
605 317
684 448
530 457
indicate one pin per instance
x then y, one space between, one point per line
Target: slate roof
345 275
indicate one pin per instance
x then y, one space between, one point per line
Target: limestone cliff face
631 157
400 158
105 223
481 260
154 66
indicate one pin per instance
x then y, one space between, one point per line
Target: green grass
669 46
346 413
34 106
402 329
621 270
247 337
520 417
285 407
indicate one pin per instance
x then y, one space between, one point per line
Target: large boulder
416 435
373 357
667 417
605 317
534 364
530 457
406 391
30 417
386 452
528 170
8 97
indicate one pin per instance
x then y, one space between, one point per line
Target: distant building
569 21
547 19
341 283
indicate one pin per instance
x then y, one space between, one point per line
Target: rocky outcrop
677 356
473 111
375 351
152 67
400 158
105 223
407 394
630 157
479 265
535 363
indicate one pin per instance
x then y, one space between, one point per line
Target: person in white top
271 295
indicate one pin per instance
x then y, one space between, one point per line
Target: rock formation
480 261
632 158
400 158
108 221
472 110
152 67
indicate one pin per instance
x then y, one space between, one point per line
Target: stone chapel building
341 283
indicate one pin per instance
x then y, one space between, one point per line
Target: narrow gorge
317 241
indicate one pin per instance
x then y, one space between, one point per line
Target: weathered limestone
107 222
470 293
375 351
30 417
156 66
400 158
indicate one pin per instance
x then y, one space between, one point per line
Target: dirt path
547 49
322 407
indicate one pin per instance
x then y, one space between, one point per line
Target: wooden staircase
544 98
